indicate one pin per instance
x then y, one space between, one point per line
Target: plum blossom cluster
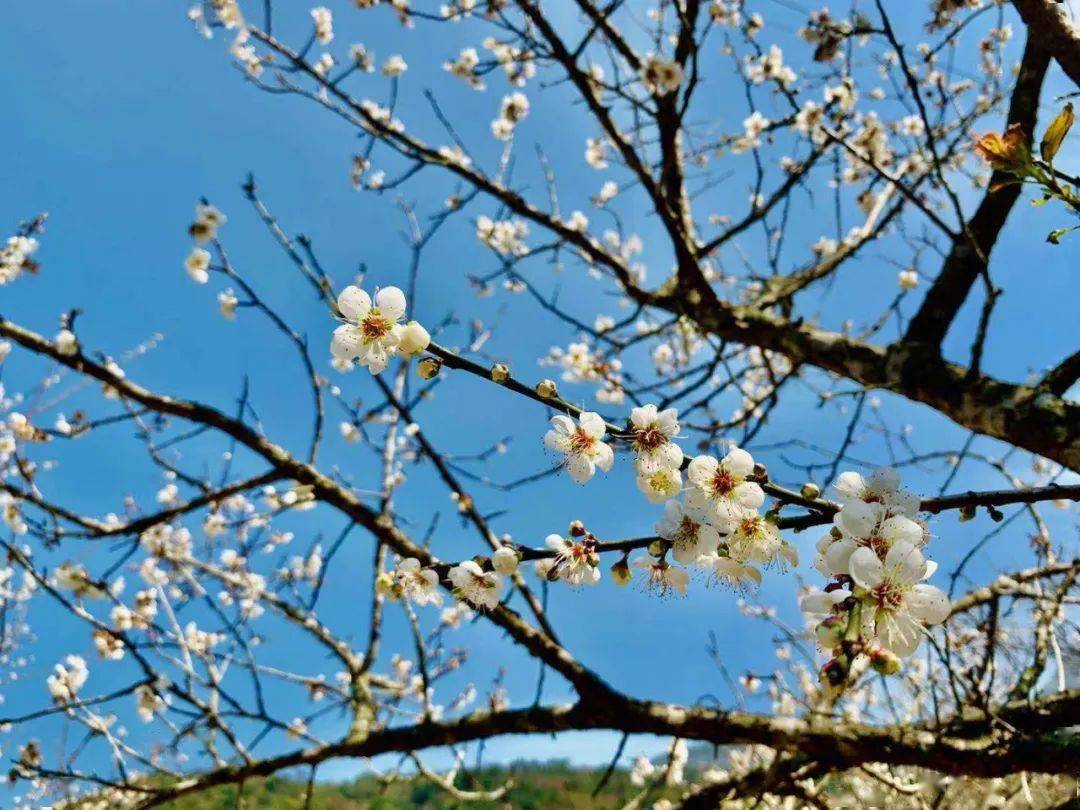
583 364
15 258
716 525
372 332
877 602
204 229
512 112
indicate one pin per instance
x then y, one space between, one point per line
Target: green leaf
1056 132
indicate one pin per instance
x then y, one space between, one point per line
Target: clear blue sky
118 117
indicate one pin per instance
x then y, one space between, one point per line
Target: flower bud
66 344
656 548
810 490
414 339
546 389
620 572
505 560
428 368
577 528
500 372
883 661
967 512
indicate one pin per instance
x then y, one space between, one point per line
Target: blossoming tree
910 683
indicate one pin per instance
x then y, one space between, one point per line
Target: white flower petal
865 567
928 604
738 462
905 564
391 303
353 303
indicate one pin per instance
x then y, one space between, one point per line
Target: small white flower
688 531
394 66
197 265
227 303
67 679
653 432
728 571
148 703
661 76
752 537
420 585
371 333
865 525
576 563
477 587
722 485
324 24
661 484
663 577
908 279
882 487
582 444
897 604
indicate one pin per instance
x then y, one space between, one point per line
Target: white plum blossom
15 257
882 487
148 703
197 265
865 525
418 584
729 571
663 577
722 485
512 112
474 585
324 24
689 532
67 679
576 563
394 66
370 334
897 604
753 537
652 434
582 444
505 237
661 76
660 484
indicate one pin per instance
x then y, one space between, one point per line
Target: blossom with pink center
582 444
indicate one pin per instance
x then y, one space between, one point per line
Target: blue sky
119 117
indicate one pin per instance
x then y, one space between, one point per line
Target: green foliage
537 786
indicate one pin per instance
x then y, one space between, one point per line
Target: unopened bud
577 529
833 673
414 339
546 388
884 661
500 372
505 560
428 368
656 548
967 513
810 490
620 572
